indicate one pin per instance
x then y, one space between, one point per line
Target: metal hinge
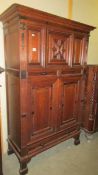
23 74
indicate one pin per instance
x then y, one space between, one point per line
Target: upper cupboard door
80 45
36 45
58 45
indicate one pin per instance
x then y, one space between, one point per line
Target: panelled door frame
42 92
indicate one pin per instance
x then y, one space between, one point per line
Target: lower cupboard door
69 103
42 106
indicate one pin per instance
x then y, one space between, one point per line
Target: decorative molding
58 49
23 74
22 26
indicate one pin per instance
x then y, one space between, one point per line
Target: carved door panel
43 105
36 45
69 101
58 42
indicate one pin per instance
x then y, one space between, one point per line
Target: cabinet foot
77 140
10 150
23 168
88 135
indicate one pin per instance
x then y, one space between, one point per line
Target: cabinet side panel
13 104
11 46
96 102
89 99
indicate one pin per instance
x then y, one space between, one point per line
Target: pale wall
58 7
86 11
3 93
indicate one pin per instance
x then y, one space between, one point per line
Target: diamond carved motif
58 49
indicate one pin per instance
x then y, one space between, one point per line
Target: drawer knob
24 114
32 112
43 73
42 144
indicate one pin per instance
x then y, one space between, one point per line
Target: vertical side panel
13 94
11 46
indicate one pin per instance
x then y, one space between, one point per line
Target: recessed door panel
42 100
36 46
69 102
77 50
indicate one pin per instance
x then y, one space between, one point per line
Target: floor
63 159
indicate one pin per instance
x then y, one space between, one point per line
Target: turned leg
77 140
23 168
10 150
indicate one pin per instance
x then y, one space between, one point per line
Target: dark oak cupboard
1 172
45 58
89 99
1 169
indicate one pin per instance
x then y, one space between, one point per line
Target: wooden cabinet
89 99
1 169
45 56
1 172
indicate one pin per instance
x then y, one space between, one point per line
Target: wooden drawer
45 143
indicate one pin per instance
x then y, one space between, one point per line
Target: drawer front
40 145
